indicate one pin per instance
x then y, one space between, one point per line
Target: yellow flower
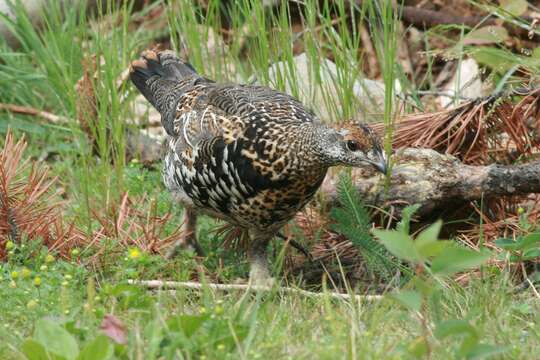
10 245
12 284
75 252
134 253
25 273
218 310
14 274
37 281
43 268
31 304
49 258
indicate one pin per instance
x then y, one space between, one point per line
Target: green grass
43 73
266 326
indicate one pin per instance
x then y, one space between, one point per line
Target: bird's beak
380 162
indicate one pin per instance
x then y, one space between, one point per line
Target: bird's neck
297 146
318 141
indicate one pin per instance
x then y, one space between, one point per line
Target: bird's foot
262 282
184 244
260 276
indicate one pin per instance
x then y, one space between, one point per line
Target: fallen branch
168 285
25 110
440 181
425 19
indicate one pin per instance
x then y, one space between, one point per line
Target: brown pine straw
29 208
132 227
478 132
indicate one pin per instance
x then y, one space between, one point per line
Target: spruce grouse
247 154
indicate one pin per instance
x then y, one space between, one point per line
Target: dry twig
25 110
158 284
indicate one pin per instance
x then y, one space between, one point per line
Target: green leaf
427 244
486 35
497 59
454 327
425 286
56 339
187 324
418 347
531 254
399 244
482 351
131 296
434 249
458 259
530 241
506 244
430 234
514 7
34 350
406 215
410 299
99 349
527 242
515 258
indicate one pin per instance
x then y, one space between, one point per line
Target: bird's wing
207 110
249 100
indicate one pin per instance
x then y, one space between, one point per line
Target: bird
246 154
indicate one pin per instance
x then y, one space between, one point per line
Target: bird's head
353 144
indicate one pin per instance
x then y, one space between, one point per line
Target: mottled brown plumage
247 154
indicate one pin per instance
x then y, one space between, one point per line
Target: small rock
465 84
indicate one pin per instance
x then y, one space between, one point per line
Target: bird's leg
296 245
188 237
259 273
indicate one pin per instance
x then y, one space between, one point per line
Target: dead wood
437 181
425 19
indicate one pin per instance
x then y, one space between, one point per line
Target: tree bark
438 181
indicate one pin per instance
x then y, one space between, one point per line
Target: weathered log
436 181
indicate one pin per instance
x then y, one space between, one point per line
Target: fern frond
353 220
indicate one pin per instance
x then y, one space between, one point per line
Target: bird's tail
157 74
155 70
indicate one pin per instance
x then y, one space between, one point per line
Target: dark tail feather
156 75
164 67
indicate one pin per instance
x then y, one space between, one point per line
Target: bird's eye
352 145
